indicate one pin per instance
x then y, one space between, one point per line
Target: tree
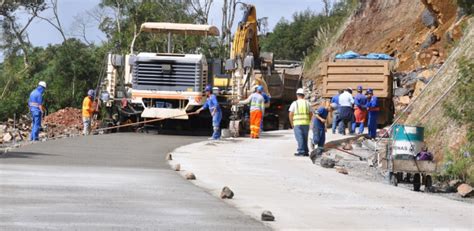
201 9
54 21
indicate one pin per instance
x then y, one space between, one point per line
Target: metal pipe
169 42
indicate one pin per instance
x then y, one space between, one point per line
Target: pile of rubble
13 130
65 122
410 85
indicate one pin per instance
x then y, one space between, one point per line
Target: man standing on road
335 110
216 113
35 103
346 113
360 110
87 111
319 130
373 108
257 108
300 119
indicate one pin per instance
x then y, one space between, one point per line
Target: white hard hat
42 83
300 91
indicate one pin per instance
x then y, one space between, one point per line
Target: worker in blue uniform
266 101
373 108
319 131
216 112
360 111
35 103
335 110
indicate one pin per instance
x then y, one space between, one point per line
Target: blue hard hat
370 91
259 88
359 88
91 92
208 88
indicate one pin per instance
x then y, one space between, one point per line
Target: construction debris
65 122
267 216
227 193
327 162
347 146
341 170
465 190
190 176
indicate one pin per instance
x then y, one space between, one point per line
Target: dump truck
147 85
375 74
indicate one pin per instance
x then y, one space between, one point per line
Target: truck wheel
428 183
393 179
416 182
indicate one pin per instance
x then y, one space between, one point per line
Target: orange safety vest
87 108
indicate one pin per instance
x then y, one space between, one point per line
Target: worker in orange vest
87 111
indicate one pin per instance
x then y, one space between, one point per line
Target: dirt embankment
421 35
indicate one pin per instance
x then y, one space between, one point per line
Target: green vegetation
308 33
460 163
74 66
466 5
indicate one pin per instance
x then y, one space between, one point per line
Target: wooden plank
355 70
353 85
358 62
356 78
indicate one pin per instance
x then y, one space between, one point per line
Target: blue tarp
354 55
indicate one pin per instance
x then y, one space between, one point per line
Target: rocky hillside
421 35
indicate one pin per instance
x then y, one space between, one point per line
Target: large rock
190 176
3 128
465 190
400 91
429 19
430 40
404 100
327 162
267 216
227 193
454 183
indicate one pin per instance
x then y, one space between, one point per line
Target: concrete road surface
265 175
108 182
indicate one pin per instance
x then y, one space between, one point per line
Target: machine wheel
428 183
416 182
394 179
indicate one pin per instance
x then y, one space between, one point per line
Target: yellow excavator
250 67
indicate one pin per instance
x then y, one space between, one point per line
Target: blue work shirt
323 113
212 104
36 99
360 101
266 98
372 104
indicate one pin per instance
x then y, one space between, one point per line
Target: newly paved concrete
111 182
265 175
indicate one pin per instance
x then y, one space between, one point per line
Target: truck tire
416 182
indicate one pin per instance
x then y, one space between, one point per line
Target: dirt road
265 175
108 182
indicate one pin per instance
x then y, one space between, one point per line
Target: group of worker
355 112
346 109
37 110
256 100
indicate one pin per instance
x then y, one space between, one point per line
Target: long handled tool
144 122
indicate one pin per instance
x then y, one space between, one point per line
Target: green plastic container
407 140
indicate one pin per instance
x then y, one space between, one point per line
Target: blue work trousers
36 125
372 123
301 135
361 127
319 136
216 123
335 117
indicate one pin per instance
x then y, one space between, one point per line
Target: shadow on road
24 155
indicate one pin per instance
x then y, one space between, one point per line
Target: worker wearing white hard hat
35 103
300 119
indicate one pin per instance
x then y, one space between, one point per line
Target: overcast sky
42 34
